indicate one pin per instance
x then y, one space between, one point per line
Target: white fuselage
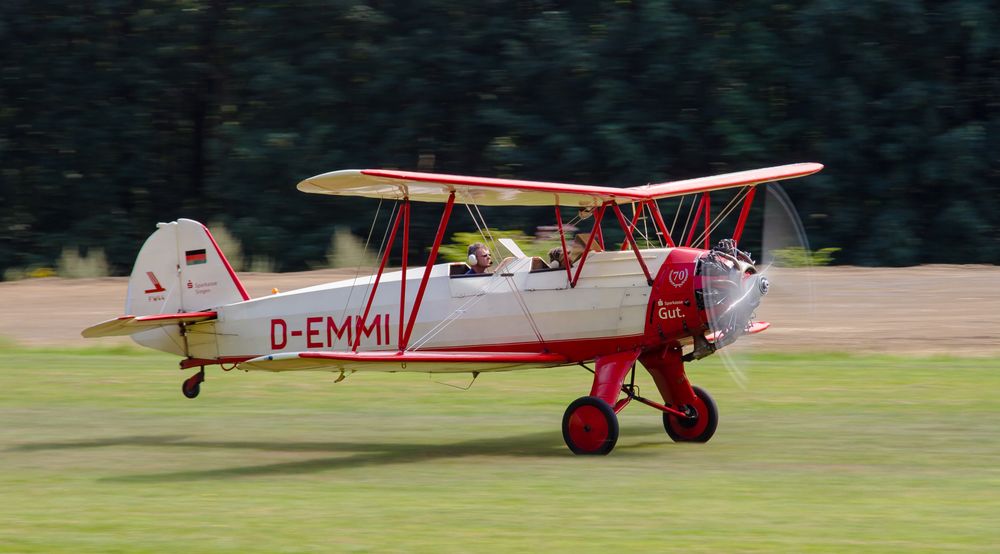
498 311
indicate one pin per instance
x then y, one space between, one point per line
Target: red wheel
590 426
698 428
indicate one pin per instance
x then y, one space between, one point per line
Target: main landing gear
590 424
192 385
700 423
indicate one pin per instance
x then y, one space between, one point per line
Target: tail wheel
700 426
192 385
590 426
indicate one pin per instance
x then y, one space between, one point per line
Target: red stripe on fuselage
574 350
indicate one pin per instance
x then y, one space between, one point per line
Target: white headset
472 259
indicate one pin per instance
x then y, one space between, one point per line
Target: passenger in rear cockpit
556 258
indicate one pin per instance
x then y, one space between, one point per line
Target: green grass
99 452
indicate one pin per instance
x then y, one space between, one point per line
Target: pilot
479 259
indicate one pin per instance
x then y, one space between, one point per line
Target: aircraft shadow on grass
350 455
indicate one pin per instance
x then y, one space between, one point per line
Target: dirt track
919 310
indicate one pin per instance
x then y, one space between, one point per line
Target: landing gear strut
701 421
590 425
192 385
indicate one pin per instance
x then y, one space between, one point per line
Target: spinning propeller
735 284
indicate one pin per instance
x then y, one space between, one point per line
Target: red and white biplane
662 306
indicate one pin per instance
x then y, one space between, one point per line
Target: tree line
116 114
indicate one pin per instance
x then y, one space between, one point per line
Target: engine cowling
673 312
708 296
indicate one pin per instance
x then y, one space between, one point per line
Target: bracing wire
483 229
524 308
579 217
489 235
644 233
723 214
357 272
677 213
645 223
492 283
655 207
684 230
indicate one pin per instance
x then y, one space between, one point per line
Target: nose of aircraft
732 289
763 284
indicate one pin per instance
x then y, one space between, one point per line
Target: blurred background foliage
116 114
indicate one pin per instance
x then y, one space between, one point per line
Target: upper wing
401 361
128 324
728 180
435 187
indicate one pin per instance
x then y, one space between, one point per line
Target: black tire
191 387
590 426
699 429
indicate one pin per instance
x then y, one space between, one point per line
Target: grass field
825 453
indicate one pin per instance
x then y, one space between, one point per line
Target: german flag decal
195 257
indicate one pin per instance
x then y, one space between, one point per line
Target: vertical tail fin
180 268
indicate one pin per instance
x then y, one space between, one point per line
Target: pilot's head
479 257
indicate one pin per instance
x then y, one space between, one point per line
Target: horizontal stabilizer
128 324
430 362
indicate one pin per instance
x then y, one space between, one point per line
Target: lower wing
457 362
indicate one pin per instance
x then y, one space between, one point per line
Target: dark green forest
117 114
